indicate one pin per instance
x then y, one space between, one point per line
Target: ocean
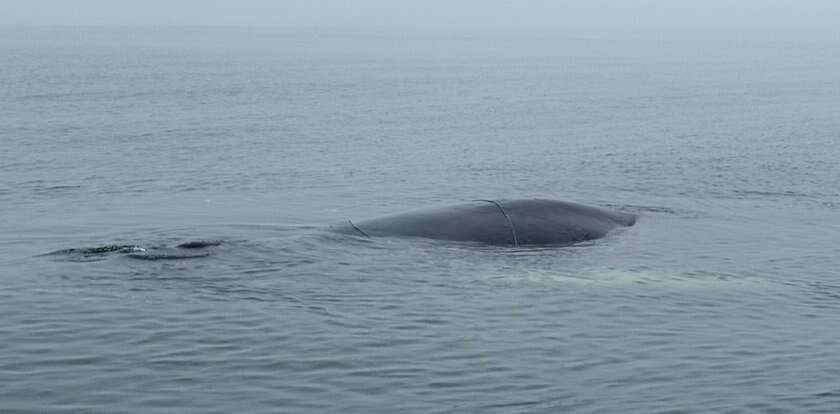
724 297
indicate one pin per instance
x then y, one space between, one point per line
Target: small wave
636 208
772 194
168 254
830 204
40 190
59 187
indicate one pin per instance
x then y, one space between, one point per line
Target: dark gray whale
502 222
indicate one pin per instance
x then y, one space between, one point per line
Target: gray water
724 297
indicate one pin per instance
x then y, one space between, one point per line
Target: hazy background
147 125
706 19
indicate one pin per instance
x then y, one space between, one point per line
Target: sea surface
119 143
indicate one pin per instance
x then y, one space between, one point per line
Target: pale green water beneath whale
725 296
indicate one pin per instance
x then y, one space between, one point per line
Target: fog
709 17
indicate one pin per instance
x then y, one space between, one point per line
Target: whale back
505 222
477 221
540 221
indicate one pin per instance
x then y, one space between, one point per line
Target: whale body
498 222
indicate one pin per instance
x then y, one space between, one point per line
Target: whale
520 222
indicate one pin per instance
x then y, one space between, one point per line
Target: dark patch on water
199 244
186 250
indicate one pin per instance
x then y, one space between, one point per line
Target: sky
700 16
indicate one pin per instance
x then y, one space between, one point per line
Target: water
724 297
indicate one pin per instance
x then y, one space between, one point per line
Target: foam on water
617 278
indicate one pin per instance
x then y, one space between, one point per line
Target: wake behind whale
187 250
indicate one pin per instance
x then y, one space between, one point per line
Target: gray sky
703 16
